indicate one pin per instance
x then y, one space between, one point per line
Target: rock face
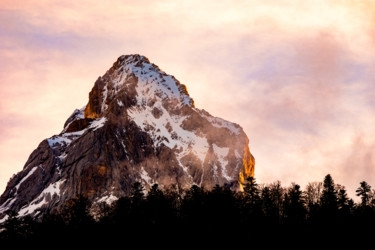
139 124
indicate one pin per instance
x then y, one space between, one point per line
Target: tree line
322 210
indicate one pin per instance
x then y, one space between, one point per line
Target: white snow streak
27 176
222 154
41 200
119 102
109 199
146 177
98 123
221 123
183 139
58 140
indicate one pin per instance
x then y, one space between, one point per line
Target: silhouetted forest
322 211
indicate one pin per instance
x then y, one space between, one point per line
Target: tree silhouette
158 211
295 205
313 193
12 226
268 204
364 191
77 212
251 192
329 195
137 194
193 204
272 211
137 217
277 194
343 202
221 208
252 206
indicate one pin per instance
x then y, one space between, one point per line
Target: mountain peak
143 83
140 124
133 58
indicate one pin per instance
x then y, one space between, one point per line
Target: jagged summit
140 124
139 79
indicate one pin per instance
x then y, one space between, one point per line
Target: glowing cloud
297 75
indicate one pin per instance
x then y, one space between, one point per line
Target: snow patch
221 123
66 138
151 81
27 176
98 123
41 200
146 177
4 219
109 199
62 156
7 204
167 130
237 154
222 154
119 102
78 114
74 134
62 140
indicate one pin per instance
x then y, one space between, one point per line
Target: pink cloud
295 76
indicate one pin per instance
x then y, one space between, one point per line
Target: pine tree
77 213
252 206
295 205
157 208
329 195
193 209
328 213
137 208
277 194
342 198
364 191
267 203
12 226
251 191
137 194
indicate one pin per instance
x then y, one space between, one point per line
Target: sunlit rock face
140 124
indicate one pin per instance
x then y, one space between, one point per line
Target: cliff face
140 124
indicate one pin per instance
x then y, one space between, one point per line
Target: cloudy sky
298 76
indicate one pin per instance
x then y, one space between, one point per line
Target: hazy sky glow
298 76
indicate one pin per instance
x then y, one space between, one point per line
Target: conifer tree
251 205
137 193
364 191
277 192
342 198
12 226
329 195
137 198
295 205
251 191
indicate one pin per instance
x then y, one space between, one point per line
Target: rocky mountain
140 124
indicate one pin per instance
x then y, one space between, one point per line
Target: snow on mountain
140 124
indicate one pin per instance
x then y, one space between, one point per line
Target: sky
298 76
